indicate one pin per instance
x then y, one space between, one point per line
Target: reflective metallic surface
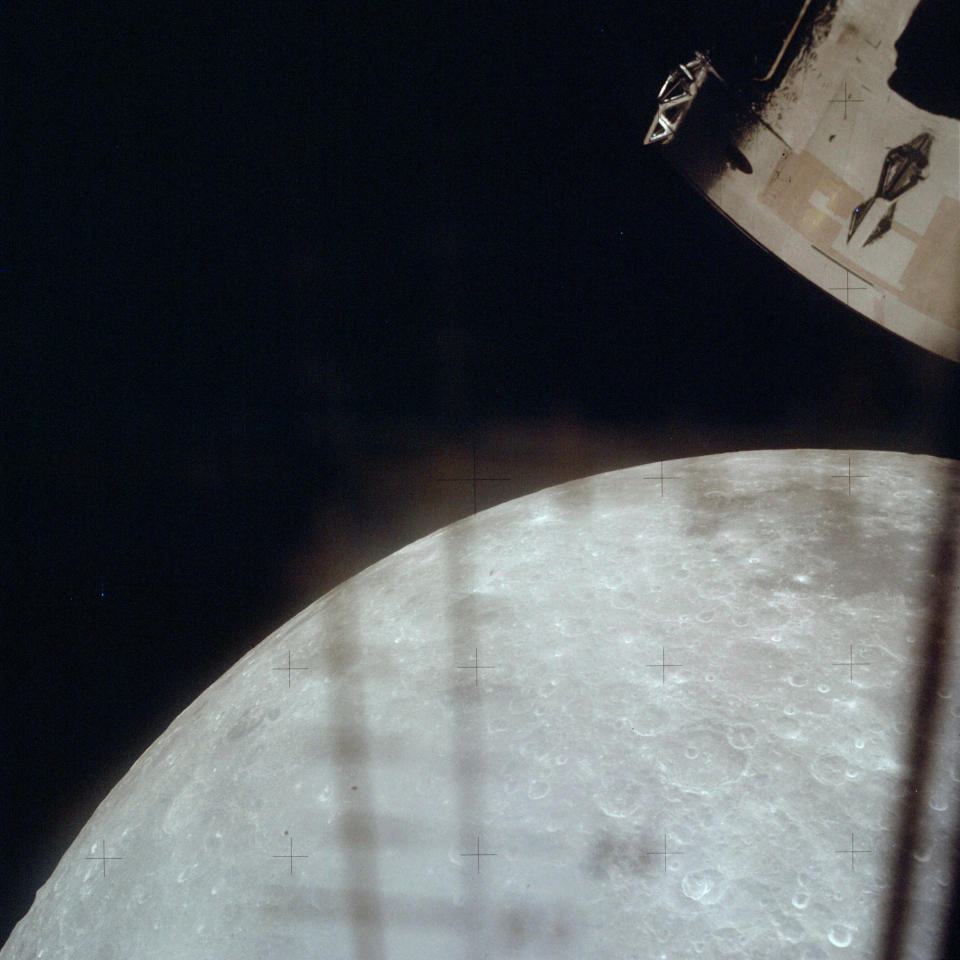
676 97
846 181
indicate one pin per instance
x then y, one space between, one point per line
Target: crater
786 727
620 796
704 886
742 736
699 760
651 722
538 789
841 935
829 769
789 930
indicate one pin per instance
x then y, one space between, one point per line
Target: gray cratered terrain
623 717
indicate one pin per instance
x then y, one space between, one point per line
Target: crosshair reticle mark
476 666
847 98
289 668
663 853
663 665
660 477
853 851
849 476
847 273
851 663
478 854
846 288
290 856
474 479
103 857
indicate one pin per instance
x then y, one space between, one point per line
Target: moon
659 712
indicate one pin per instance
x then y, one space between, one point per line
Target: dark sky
271 270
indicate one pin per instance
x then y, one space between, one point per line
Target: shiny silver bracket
676 97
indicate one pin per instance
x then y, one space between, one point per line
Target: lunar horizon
663 711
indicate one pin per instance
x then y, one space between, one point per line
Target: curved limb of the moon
603 720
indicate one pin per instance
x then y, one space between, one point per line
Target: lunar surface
660 712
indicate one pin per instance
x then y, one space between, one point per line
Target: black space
267 268
927 73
